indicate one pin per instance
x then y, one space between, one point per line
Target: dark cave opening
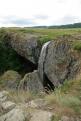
26 65
48 85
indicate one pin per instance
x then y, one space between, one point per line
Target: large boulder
26 45
9 111
10 79
31 82
60 60
16 114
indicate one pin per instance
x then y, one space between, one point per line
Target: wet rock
58 62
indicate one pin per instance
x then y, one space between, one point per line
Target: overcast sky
39 12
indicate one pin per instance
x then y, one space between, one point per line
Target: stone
7 106
3 96
31 82
11 79
15 114
65 118
58 62
41 115
26 45
37 103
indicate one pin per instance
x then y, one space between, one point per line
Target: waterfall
42 60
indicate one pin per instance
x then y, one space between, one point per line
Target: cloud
38 20
39 12
67 19
41 16
61 1
16 21
22 22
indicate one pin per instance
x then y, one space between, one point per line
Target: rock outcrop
9 111
26 45
31 82
58 62
10 79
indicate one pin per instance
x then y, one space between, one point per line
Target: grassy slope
51 33
66 100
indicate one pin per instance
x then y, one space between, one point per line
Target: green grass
77 45
66 99
51 32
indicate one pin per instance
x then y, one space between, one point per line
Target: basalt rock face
26 45
58 62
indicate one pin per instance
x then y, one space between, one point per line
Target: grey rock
37 103
26 45
3 96
7 106
41 115
15 114
58 62
31 82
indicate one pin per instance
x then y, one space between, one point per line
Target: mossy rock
10 79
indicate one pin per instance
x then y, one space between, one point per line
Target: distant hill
75 25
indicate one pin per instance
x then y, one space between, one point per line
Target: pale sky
39 12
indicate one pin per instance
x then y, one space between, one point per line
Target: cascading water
46 82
